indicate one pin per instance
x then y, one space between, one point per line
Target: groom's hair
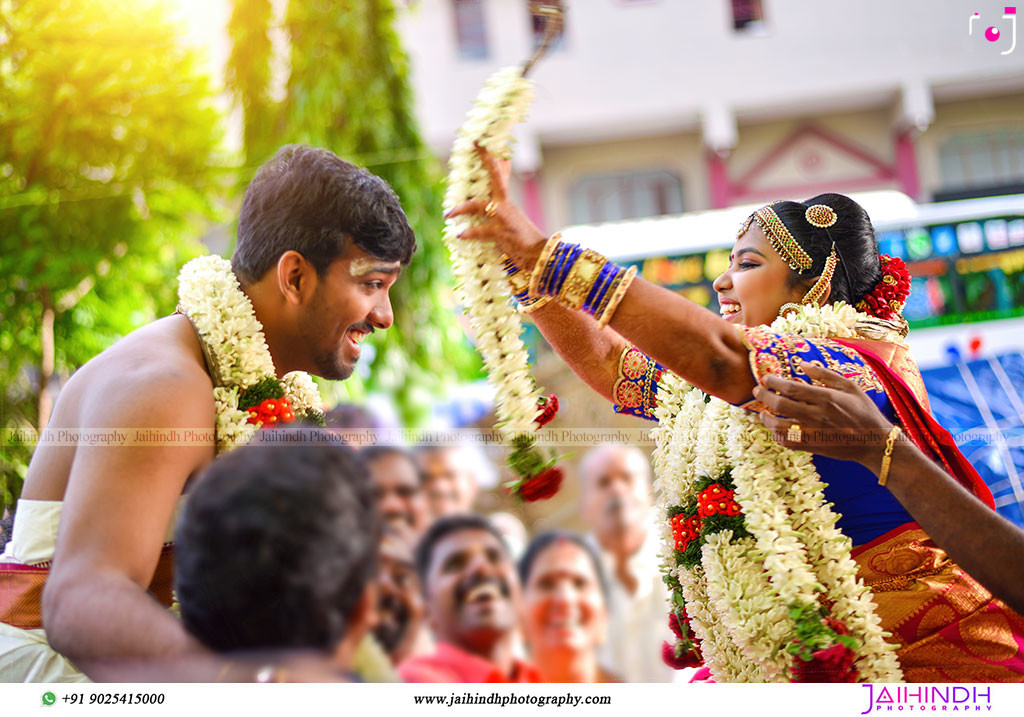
276 545
313 202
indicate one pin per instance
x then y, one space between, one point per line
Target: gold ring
795 433
490 209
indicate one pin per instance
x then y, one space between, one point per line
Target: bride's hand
503 222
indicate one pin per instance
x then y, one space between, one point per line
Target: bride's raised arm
687 339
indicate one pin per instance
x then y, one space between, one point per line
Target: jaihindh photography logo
949 698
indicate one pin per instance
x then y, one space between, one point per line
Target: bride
805 284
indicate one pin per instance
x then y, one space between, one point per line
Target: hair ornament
780 238
821 216
887 299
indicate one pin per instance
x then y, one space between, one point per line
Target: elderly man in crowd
473 605
616 504
448 480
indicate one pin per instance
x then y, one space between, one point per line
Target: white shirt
637 622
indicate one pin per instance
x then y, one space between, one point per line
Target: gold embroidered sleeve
636 388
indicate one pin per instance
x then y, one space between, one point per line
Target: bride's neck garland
247 393
763 585
482 284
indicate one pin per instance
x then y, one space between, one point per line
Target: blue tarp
981 402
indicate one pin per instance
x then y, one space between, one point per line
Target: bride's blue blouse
867 510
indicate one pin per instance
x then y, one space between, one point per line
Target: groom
320 243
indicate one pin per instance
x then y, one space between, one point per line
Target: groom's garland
247 393
763 584
482 284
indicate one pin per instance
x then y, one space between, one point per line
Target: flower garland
484 290
757 567
248 395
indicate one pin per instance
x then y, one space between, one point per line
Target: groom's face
350 303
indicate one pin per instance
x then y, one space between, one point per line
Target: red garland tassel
541 486
831 664
549 404
681 660
673 625
888 297
271 412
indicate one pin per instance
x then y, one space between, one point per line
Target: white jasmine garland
738 598
481 283
210 295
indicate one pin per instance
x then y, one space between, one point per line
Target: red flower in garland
831 664
549 404
889 296
541 486
685 529
270 412
716 499
677 657
673 625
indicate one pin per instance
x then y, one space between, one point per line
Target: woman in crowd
566 611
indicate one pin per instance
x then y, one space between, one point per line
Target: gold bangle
542 263
620 293
890 443
533 305
582 275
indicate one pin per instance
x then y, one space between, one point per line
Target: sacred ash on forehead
361 265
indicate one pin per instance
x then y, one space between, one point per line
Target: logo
951 698
992 34
49 698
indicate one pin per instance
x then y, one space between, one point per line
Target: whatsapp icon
49 698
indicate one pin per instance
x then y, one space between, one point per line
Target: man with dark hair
400 609
473 604
277 548
320 243
397 487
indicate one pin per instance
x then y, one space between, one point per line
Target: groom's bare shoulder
153 378
160 361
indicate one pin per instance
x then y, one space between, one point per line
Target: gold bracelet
534 304
620 292
890 443
542 263
582 275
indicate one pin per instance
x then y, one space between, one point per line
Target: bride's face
755 286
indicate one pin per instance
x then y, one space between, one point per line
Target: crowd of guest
378 550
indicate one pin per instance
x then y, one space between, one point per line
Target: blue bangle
555 267
599 287
566 267
557 257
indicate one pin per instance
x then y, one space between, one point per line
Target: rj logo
992 34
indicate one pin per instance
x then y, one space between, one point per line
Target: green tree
348 90
108 136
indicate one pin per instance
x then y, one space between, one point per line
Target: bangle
606 313
528 306
581 279
541 267
890 443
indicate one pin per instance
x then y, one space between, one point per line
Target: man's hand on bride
837 419
500 220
